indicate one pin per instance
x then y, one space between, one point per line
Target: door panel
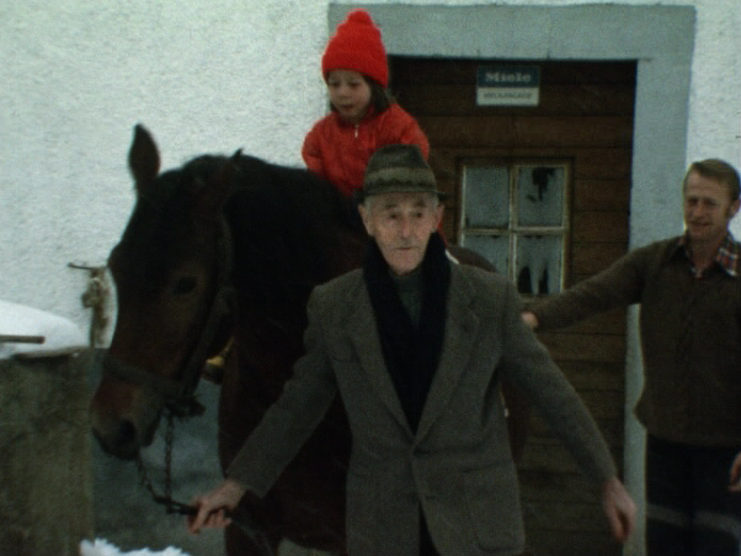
584 116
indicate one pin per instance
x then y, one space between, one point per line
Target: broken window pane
540 195
539 264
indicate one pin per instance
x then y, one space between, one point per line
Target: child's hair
381 97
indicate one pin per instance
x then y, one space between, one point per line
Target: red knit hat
357 46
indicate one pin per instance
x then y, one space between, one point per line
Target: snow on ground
101 547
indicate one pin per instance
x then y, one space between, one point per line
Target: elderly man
689 290
416 346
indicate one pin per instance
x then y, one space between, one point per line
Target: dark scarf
411 352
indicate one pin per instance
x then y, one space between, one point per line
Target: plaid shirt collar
727 257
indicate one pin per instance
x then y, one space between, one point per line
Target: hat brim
361 195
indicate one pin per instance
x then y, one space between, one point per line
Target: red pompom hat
357 46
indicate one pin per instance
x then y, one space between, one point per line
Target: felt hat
357 46
399 169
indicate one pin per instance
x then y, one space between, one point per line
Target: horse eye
184 285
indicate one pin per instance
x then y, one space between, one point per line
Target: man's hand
530 319
619 509
735 476
213 507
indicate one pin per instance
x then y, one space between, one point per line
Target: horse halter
179 394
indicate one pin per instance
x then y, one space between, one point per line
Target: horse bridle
179 394
180 398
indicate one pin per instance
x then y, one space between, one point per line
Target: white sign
508 86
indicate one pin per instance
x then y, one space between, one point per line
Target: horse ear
144 158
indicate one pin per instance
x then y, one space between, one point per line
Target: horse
231 247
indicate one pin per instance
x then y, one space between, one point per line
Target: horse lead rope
241 519
171 505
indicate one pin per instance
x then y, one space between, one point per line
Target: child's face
349 93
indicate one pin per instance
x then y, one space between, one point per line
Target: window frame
514 229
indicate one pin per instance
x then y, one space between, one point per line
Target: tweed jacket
690 339
457 468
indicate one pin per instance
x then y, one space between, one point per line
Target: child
364 116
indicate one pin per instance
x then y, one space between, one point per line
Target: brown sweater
690 339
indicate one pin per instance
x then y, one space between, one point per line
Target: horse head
170 270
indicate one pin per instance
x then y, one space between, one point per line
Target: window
514 214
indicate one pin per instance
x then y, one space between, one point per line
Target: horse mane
288 226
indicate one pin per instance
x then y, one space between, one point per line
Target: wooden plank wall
585 116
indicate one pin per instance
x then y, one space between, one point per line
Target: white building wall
204 76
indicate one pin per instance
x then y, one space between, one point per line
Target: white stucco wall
76 75
204 76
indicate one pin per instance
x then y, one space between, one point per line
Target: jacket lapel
460 334
364 335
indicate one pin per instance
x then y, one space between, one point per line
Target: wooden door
583 123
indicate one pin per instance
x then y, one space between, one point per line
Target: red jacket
340 151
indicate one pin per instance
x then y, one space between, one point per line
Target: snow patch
60 336
102 547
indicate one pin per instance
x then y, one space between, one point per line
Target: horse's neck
353 244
